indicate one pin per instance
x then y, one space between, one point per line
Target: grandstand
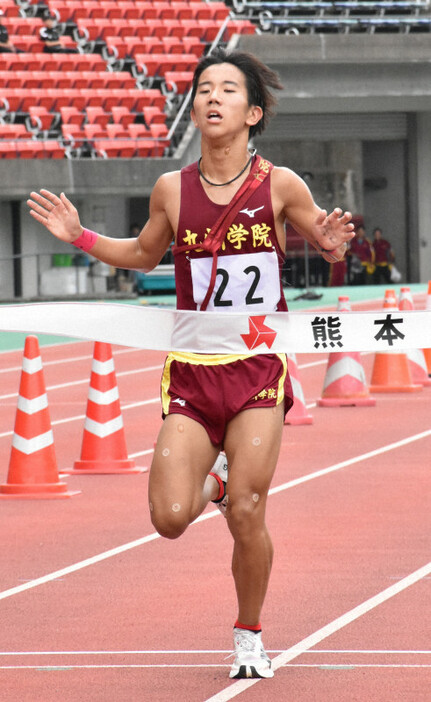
102 124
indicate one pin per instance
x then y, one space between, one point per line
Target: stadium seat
71 115
158 131
10 8
113 148
30 148
7 149
152 115
41 118
148 96
95 131
53 149
13 131
146 148
117 131
178 82
122 115
139 131
98 116
73 135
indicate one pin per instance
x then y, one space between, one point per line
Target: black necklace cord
221 185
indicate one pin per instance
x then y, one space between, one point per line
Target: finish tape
225 333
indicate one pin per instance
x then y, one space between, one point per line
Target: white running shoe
220 469
251 660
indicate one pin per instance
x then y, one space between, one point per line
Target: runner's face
221 102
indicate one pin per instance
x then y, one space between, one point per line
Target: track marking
209 651
68 359
320 666
339 623
81 381
203 517
65 420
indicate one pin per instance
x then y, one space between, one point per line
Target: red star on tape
258 333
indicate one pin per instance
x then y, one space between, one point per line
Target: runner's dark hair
259 78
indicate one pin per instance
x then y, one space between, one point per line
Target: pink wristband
86 241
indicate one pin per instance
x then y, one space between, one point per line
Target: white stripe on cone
29 446
345 366
103 367
103 398
31 365
32 406
103 429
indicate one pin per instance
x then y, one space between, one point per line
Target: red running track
96 607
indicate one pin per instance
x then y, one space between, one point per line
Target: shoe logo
182 403
251 213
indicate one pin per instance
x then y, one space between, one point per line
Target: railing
52 274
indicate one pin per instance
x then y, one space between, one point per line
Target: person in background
384 258
361 254
6 46
51 36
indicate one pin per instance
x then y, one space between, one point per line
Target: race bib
244 282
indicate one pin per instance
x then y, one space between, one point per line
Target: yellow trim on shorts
280 392
211 360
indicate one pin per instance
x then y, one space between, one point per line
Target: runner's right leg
179 484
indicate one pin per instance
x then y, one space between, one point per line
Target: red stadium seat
8 149
53 149
152 115
71 115
164 9
240 27
139 131
148 96
11 80
123 116
117 131
40 117
178 81
73 135
97 116
159 131
91 97
145 148
29 148
13 131
95 131
113 148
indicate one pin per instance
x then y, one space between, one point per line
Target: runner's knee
245 513
170 523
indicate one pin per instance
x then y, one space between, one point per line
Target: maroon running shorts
212 389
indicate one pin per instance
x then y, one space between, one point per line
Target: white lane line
68 359
350 461
66 420
81 381
320 666
280 661
210 651
203 517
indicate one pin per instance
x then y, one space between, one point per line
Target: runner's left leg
252 446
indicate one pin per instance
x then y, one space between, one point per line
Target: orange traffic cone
406 299
33 470
103 443
391 370
298 414
345 383
427 352
390 300
416 357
